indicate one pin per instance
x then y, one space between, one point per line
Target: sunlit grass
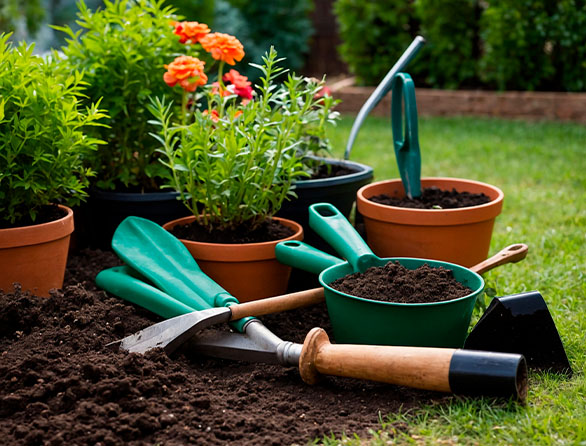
541 167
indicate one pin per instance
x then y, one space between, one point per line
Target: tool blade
171 333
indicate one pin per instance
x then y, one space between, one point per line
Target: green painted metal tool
406 143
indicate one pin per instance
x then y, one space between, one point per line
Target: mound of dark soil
395 283
59 385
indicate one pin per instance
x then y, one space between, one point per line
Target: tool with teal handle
406 143
366 321
382 89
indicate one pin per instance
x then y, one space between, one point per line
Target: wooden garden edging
510 104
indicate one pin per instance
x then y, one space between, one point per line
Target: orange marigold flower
213 115
187 71
216 89
190 31
223 47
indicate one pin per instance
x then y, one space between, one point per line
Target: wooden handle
460 371
422 368
510 254
278 303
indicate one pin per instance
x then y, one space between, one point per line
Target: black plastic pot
339 191
105 210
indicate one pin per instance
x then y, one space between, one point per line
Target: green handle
305 257
121 281
162 259
334 228
406 145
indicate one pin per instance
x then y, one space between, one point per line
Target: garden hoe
138 241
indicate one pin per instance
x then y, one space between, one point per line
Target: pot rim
234 252
364 172
434 263
37 234
430 217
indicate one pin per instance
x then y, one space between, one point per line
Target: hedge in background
449 59
374 35
284 24
504 44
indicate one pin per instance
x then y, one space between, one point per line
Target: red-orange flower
241 84
215 116
187 71
190 31
223 47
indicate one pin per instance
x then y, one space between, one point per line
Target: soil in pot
395 283
268 231
59 385
46 214
331 171
434 198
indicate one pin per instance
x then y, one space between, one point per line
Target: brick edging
511 104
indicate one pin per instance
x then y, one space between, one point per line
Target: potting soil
395 283
266 232
60 385
330 171
434 198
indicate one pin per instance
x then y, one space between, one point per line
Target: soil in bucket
434 198
331 171
268 231
59 385
395 283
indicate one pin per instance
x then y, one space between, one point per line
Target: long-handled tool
447 370
382 89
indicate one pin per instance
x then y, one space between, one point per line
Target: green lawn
541 167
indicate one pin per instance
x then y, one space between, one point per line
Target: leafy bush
515 34
280 23
374 35
122 49
451 29
42 140
28 12
237 160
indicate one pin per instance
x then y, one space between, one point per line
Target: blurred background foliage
488 44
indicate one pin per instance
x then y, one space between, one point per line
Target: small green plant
235 163
121 50
42 139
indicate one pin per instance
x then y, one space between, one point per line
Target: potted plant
234 154
42 145
122 49
449 219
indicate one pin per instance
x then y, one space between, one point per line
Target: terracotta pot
35 256
459 236
248 271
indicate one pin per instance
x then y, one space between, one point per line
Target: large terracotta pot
459 236
248 271
35 256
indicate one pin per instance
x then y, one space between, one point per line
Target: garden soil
395 283
434 198
60 385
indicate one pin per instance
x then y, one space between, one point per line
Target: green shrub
42 140
238 159
280 23
28 12
122 50
516 50
451 28
374 35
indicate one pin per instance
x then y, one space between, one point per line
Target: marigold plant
234 152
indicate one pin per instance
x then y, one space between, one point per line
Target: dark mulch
434 198
59 385
395 283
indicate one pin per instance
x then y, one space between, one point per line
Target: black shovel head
521 323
